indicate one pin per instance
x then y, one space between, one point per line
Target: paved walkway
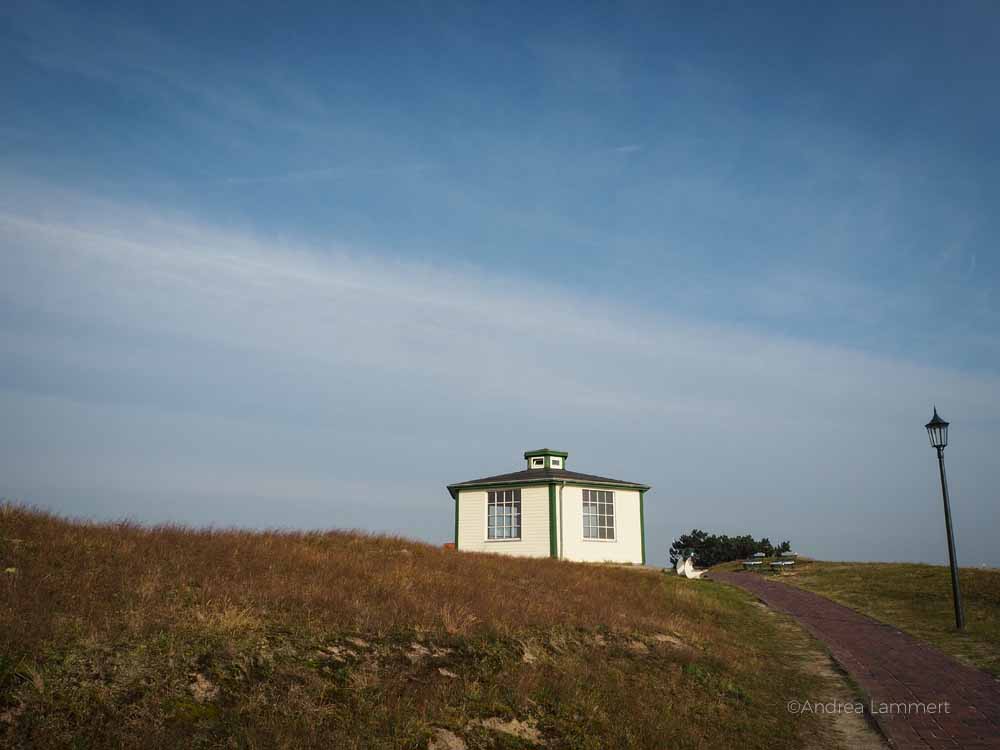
892 667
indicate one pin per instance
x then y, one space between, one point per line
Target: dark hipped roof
543 476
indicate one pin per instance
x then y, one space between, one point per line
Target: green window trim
457 495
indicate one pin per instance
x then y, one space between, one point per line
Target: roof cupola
546 458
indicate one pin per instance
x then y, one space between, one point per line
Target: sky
304 265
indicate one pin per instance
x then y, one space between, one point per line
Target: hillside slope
121 636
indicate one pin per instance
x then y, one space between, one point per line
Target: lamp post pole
956 590
937 431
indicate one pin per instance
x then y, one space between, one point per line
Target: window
538 462
503 514
598 514
556 462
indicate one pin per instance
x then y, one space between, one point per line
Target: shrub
712 549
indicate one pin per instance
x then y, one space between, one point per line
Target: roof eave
455 488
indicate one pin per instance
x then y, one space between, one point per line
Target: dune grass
116 635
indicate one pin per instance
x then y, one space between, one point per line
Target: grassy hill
917 599
117 635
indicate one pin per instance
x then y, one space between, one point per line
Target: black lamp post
937 431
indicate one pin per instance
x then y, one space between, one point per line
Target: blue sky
302 266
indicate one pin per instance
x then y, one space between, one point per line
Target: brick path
892 667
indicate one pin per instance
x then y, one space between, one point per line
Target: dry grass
116 635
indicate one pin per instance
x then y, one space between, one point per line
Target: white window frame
516 515
595 499
552 462
538 462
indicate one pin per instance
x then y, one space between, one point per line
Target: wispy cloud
334 173
148 346
206 94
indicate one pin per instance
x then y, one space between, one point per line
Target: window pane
598 514
503 514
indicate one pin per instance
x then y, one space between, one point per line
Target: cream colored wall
534 541
627 545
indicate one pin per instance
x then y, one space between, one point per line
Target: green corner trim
642 525
456 519
553 532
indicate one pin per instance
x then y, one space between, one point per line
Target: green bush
712 549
